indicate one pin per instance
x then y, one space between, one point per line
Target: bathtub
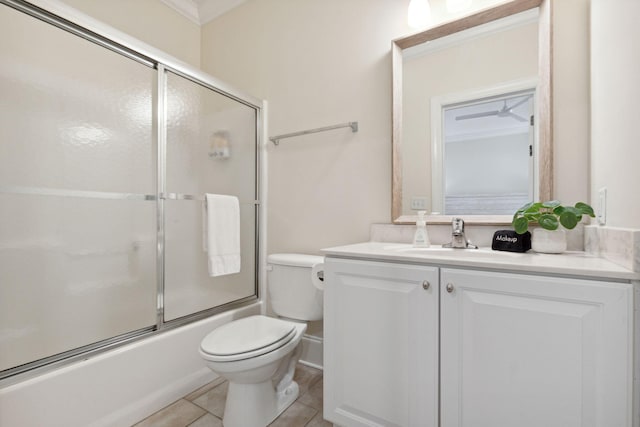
119 387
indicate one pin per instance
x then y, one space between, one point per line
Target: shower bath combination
108 147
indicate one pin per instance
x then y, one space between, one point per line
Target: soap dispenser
421 238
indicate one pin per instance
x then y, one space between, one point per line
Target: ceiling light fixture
419 14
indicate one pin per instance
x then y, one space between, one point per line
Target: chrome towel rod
352 125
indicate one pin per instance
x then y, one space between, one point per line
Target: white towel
221 223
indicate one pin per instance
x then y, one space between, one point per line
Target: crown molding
202 11
187 8
211 9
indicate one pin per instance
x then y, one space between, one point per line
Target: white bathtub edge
119 387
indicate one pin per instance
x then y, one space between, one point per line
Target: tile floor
205 406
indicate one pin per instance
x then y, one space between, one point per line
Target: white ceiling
202 11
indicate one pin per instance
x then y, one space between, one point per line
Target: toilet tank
290 286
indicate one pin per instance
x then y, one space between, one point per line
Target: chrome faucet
458 238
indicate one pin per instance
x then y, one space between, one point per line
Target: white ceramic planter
549 242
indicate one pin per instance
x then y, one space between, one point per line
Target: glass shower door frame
68 20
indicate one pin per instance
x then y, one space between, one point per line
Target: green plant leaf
520 225
548 221
550 215
573 210
558 210
585 209
569 219
532 216
551 204
524 207
535 207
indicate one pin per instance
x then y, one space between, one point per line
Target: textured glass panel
73 272
188 287
211 148
72 114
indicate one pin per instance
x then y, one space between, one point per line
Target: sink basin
437 250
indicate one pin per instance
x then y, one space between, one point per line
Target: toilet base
262 387
253 405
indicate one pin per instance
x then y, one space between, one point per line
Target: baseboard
312 349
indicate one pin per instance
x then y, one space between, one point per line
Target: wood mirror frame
543 109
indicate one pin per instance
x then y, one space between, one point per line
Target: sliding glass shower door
77 179
210 148
105 157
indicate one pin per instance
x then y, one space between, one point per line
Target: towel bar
352 125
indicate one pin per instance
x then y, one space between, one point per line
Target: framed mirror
472 116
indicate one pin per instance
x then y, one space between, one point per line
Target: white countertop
567 263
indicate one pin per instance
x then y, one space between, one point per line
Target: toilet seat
247 338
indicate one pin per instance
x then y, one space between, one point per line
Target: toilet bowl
258 354
254 354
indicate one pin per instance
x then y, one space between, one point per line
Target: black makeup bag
509 240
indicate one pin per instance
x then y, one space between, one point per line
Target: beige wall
317 64
150 21
571 100
321 63
615 70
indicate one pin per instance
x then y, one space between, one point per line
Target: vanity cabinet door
531 351
380 344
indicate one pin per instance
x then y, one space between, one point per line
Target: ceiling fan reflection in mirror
505 111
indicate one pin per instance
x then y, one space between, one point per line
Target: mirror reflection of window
489 155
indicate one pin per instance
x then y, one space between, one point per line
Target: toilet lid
295 260
255 334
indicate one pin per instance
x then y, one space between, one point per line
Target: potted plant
549 237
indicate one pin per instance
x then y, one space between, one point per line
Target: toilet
258 354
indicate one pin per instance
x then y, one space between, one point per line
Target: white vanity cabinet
381 350
476 348
530 351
